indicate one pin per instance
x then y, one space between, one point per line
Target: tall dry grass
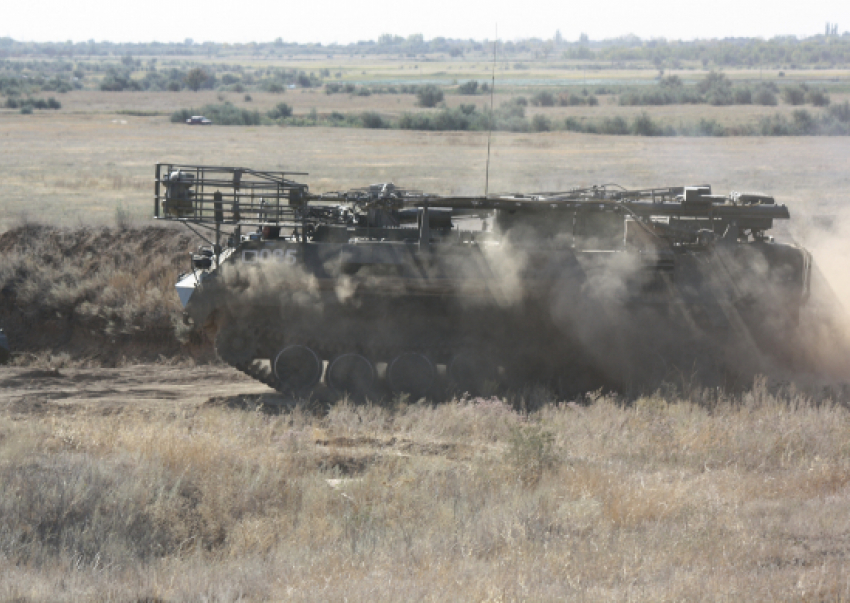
95 293
705 497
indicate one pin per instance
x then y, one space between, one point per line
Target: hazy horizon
332 21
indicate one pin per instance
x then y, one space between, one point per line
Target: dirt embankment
102 294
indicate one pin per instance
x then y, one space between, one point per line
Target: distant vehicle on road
199 120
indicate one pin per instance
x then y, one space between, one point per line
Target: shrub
710 127
643 125
429 95
573 124
819 98
592 101
280 111
671 81
841 112
776 125
530 452
742 96
513 108
248 98
26 109
544 98
372 119
764 96
616 126
659 95
794 95
574 100
540 123
804 123
470 87
181 115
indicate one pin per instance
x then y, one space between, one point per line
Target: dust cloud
595 320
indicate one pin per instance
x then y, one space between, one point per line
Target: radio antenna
490 121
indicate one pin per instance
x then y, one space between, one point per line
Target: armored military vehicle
381 288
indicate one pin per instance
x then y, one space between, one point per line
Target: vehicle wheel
297 368
351 373
411 373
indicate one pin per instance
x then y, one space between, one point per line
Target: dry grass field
162 484
174 482
76 168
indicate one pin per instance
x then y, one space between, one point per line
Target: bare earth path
140 388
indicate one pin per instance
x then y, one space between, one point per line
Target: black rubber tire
351 373
411 373
297 368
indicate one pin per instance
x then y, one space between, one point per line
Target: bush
371 119
710 127
544 98
530 453
660 96
280 111
540 123
764 96
643 125
181 115
470 87
794 95
429 95
26 109
513 108
742 96
819 98
804 123
572 124
840 112
615 126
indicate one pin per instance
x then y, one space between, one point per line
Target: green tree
195 78
429 95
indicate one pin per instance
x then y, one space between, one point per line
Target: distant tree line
510 116
829 48
717 89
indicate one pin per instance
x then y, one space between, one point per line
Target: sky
344 21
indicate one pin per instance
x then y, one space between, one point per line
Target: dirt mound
98 293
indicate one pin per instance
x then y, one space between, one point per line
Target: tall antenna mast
490 121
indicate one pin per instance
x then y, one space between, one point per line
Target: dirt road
140 388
